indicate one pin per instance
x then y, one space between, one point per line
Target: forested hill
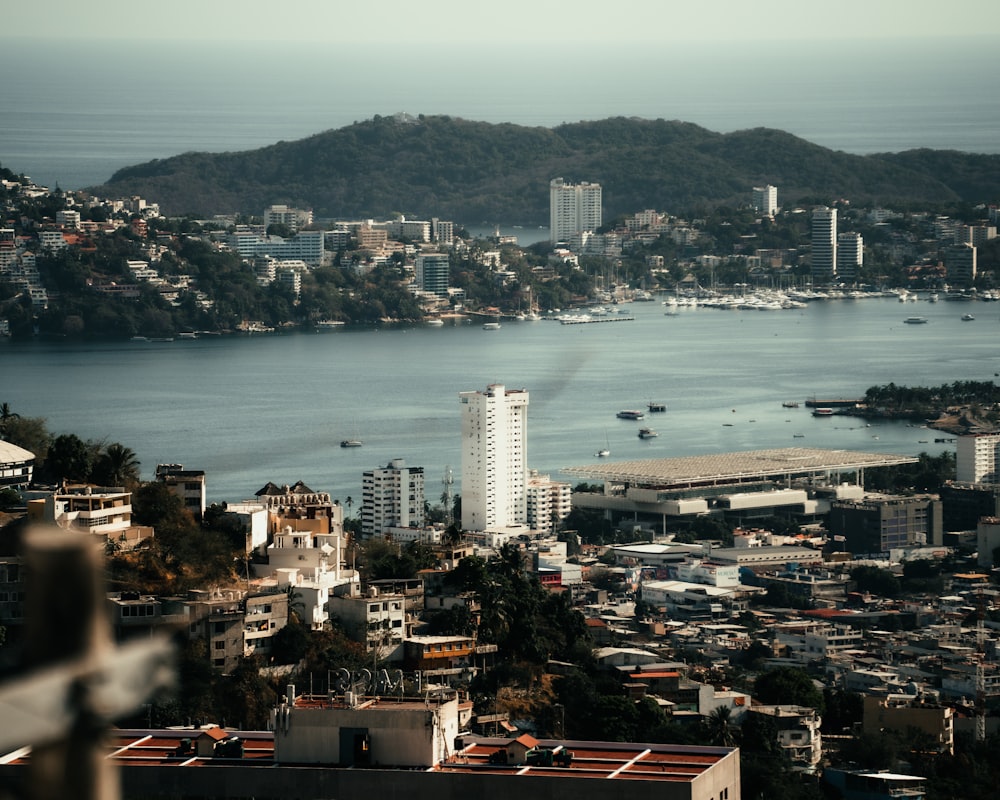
476 171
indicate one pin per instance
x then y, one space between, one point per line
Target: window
220 645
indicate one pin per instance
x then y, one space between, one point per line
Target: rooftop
600 760
722 468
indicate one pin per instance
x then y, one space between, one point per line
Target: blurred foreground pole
67 625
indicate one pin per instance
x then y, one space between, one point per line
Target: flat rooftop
600 760
739 467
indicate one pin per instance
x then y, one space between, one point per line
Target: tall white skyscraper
765 199
392 497
494 458
573 208
824 245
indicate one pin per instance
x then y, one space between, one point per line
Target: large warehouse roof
722 468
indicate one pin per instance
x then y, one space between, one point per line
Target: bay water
275 407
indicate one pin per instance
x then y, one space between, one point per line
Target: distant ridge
477 171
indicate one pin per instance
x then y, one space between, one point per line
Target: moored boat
647 433
915 320
630 414
351 443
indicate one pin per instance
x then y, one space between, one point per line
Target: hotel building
494 458
573 208
824 245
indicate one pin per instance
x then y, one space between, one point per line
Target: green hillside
476 171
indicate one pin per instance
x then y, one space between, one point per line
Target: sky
515 21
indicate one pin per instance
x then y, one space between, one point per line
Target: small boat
491 326
789 404
967 317
435 321
187 335
656 408
647 433
915 320
329 324
822 412
603 453
630 414
351 443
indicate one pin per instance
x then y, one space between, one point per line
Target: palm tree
6 415
119 465
349 502
720 726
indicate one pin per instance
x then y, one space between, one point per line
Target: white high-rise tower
765 199
494 458
824 245
573 208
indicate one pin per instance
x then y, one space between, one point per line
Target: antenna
448 481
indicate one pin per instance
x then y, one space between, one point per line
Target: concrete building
376 620
850 256
798 733
433 273
392 497
494 458
187 484
17 466
102 512
902 713
976 458
293 218
549 502
668 493
987 540
573 208
878 524
824 245
960 262
765 199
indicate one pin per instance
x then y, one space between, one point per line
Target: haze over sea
75 113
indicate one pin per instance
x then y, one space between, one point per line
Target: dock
839 402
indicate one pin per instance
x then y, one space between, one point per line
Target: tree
30 433
720 726
69 458
6 416
788 685
117 466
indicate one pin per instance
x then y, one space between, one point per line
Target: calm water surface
253 409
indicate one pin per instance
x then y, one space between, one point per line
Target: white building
293 218
824 245
392 497
549 502
377 620
494 458
187 484
765 199
16 466
573 208
976 457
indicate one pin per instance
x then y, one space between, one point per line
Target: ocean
254 409
74 112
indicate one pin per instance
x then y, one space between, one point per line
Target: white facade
765 199
392 497
824 244
976 456
294 218
573 208
494 458
549 502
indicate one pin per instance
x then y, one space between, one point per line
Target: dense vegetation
471 171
